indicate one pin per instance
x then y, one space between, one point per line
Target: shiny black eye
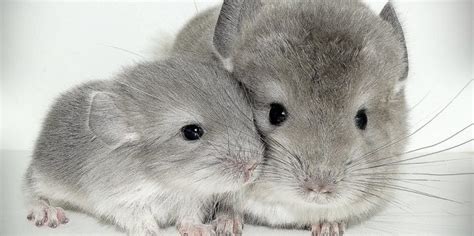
277 114
361 119
192 132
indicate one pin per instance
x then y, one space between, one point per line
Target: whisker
389 201
126 50
419 102
425 147
416 157
417 130
414 173
406 189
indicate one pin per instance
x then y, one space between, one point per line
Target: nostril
325 190
319 188
309 188
322 188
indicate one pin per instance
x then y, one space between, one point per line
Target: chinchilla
326 79
157 145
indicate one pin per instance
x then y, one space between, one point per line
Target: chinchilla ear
108 123
389 14
227 29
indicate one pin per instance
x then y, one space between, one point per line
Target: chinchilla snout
245 158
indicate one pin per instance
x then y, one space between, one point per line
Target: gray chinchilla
326 78
157 145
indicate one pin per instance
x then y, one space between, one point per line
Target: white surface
46 47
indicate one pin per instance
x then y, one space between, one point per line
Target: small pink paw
42 213
328 229
196 230
228 226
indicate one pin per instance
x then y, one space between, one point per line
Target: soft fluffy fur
114 148
323 60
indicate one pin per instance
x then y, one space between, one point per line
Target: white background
49 46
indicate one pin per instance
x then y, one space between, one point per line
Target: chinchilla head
187 125
326 79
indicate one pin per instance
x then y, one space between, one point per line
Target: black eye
361 119
192 132
277 114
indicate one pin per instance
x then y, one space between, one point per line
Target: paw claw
45 219
328 229
228 226
196 230
43 214
65 221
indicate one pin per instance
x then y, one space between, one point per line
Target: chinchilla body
326 79
155 146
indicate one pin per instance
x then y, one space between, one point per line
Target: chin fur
276 208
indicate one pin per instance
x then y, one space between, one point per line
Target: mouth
250 172
320 199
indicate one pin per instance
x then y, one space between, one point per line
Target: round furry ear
389 15
108 123
227 30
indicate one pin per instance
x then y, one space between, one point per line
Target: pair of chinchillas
279 112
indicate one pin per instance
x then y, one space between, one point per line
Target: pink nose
325 189
322 188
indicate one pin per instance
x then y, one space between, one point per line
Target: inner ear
107 122
389 15
229 23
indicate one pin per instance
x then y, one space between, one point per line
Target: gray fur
323 60
227 27
389 14
113 148
231 16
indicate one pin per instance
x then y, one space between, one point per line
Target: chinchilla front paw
328 229
227 225
42 213
191 229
